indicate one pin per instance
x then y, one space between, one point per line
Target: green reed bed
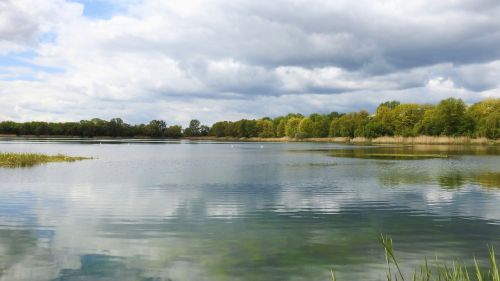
12 160
457 271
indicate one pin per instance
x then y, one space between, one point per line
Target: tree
450 115
321 126
116 127
204 130
292 115
230 130
251 129
428 125
349 125
245 128
291 127
406 117
9 127
156 128
448 118
265 128
87 128
280 130
194 129
390 104
485 117
334 115
218 129
305 129
174 131
383 121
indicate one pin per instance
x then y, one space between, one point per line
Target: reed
12 160
363 140
457 271
432 140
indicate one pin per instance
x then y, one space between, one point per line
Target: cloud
23 22
217 59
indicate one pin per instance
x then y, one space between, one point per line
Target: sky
211 60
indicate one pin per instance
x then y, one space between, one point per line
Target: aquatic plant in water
12 160
441 272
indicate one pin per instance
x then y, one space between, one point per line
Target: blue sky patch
102 9
9 63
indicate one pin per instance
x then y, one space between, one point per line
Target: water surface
170 210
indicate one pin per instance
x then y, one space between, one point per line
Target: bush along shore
457 271
12 160
392 121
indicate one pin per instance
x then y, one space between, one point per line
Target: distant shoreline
357 140
362 140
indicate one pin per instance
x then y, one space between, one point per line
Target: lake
181 210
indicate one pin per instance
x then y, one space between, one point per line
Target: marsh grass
431 140
12 160
457 271
396 155
428 140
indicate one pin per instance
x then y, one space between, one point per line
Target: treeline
102 128
451 117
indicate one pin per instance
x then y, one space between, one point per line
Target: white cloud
23 22
216 59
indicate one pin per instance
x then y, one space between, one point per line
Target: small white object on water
261 146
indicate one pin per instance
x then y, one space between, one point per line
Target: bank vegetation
449 121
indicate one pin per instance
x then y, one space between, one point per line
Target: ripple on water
209 211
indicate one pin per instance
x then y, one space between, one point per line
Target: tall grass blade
457 271
494 268
334 278
387 244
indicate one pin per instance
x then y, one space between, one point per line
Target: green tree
245 128
429 124
350 125
334 115
485 116
174 131
383 121
447 118
265 128
305 129
156 128
218 129
9 127
116 127
406 117
204 130
390 104
450 117
292 126
321 125
194 129
230 130
280 129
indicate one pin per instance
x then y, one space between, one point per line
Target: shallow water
241 211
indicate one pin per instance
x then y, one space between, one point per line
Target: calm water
241 211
